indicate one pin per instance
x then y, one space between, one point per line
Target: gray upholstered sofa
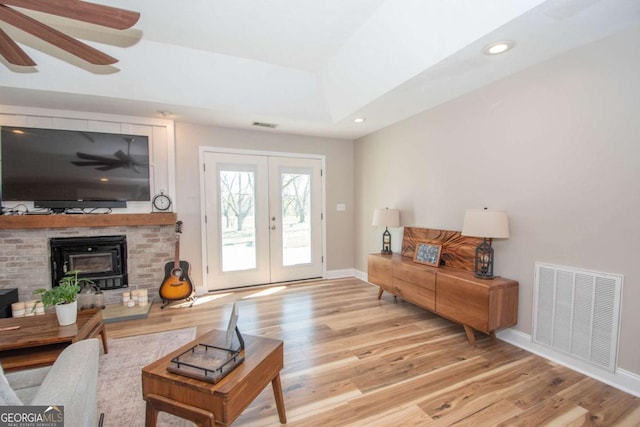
71 382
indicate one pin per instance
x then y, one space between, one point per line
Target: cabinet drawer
379 271
420 295
464 302
417 275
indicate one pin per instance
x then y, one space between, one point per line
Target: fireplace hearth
103 259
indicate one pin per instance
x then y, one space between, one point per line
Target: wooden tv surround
453 293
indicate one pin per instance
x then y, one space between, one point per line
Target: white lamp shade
485 223
386 217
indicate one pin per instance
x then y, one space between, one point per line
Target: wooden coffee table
208 404
40 339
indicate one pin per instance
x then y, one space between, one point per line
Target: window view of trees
296 207
237 198
237 207
295 196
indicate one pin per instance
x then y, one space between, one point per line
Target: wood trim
17 222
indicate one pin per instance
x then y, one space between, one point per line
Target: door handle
273 227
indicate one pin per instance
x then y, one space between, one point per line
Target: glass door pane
237 209
296 218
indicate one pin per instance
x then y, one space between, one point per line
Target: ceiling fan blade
55 37
108 168
95 158
77 163
99 165
106 16
12 52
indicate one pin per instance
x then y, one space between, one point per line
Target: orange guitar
176 284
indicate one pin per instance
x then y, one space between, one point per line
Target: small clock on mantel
161 202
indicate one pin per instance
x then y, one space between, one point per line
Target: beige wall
338 177
557 146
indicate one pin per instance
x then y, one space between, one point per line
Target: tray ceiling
310 67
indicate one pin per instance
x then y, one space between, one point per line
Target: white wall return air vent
578 312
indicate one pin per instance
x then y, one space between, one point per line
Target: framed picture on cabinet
427 253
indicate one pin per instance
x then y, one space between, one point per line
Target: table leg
277 393
103 335
156 403
380 292
151 415
471 335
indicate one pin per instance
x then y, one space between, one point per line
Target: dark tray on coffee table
206 362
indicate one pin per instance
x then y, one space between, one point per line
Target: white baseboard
626 381
339 274
360 275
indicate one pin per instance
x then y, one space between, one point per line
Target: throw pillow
7 395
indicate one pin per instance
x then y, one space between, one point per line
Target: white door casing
262 218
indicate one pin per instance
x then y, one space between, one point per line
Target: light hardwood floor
352 360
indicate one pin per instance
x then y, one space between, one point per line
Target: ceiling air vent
265 125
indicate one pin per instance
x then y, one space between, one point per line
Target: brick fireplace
25 254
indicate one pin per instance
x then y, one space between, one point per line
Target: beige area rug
119 377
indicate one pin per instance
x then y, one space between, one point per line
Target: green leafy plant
66 292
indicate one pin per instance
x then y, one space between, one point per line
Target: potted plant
64 297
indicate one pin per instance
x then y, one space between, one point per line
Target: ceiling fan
105 16
120 160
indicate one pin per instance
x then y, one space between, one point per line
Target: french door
263 219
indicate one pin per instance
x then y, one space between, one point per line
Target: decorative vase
67 313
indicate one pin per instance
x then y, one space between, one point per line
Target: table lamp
488 224
386 218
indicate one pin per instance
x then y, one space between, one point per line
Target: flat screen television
71 169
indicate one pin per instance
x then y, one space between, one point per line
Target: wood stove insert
102 259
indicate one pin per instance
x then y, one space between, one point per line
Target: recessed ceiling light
359 120
498 47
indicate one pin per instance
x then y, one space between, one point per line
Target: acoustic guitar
176 284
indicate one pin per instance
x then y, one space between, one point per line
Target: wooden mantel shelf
17 222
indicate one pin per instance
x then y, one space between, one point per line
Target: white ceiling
310 66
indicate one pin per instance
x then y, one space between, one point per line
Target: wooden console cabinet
477 304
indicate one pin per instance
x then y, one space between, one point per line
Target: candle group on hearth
139 297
